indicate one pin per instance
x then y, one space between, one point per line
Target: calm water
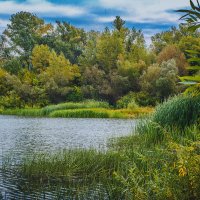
20 137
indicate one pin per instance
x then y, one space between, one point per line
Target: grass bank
156 162
135 167
87 109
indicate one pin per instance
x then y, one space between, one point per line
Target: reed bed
71 105
180 111
130 169
72 165
80 113
69 110
89 113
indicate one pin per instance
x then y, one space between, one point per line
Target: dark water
20 137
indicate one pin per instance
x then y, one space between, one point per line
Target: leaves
192 16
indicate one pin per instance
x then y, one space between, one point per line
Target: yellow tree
41 55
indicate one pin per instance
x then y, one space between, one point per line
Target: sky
152 16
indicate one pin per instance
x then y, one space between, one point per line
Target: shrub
127 101
75 95
132 105
11 100
144 99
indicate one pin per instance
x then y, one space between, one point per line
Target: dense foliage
41 64
192 17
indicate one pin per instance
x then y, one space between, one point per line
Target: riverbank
155 163
160 160
89 109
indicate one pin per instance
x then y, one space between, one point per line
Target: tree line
42 64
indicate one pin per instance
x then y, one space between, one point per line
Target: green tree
23 33
149 78
167 81
118 23
59 78
13 65
66 39
171 37
109 47
173 52
88 56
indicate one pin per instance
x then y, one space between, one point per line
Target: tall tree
24 32
66 39
118 23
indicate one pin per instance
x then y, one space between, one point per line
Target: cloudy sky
150 15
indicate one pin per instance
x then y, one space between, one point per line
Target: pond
20 137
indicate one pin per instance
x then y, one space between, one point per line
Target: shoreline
81 113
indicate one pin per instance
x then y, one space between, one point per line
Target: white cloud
148 33
146 10
3 24
42 7
105 19
139 11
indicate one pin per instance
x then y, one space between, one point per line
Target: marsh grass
81 113
180 111
32 112
71 105
72 165
133 167
91 113
88 109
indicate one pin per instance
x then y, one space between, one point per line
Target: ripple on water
20 137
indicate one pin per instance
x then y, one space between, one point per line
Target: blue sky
151 16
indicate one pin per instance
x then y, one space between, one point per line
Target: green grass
71 105
80 113
180 111
87 109
90 113
130 169
72 164
23 112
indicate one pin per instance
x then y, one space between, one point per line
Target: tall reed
180 111
71 105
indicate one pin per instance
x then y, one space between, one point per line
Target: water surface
20 137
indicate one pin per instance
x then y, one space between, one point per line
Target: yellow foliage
182 171
2 73
55 66
44 29
41 56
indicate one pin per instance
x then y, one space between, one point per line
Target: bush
127 101
169 173
144 99
75 95
11 100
